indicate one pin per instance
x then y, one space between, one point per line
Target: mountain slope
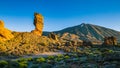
90 32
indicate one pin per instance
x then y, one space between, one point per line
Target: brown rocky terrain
70 39
53 36
110 40
5 34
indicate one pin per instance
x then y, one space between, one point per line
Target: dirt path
45 54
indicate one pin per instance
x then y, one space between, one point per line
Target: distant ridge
89 32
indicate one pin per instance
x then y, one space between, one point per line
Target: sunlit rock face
5 34
38 22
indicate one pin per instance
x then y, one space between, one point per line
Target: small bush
59 55
29 59
21 60
41 59
66 57
50 57
13 64
22 65
3 63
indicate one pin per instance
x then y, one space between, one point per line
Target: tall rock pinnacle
38 22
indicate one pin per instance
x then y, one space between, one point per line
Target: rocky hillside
5 34
89 32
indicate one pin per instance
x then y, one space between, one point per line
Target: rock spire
38 22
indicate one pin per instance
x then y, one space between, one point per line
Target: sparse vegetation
3 63
94 56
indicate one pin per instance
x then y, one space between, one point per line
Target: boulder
5 34
38 22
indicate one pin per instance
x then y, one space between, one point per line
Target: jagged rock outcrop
38 22
72 38
53 36
5 34
110 40
54 39
69 36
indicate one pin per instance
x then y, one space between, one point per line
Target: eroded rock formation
53 36
110 40
72 39
5 34
38 22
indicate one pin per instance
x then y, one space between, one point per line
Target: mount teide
89 32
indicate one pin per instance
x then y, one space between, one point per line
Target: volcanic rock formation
110 40
71 39
38 22
53 36
5 34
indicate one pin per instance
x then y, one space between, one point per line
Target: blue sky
59 14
